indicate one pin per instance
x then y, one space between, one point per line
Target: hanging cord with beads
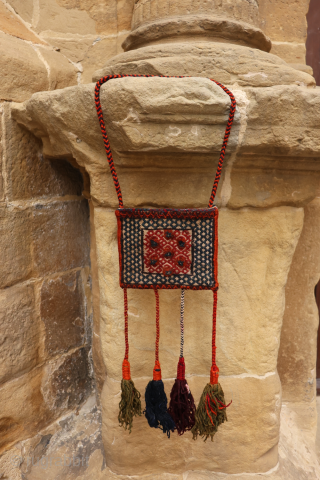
182 407
107 144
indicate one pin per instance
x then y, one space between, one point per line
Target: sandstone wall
284 21
45 298
88 33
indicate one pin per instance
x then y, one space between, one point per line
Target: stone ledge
218 28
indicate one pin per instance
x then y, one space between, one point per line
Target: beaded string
107 144
181 372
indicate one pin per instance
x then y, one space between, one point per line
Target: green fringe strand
207 422
130 404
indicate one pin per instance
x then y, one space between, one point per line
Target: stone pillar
166 135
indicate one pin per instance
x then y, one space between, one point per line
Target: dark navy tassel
156 411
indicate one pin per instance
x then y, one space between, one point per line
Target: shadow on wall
313 39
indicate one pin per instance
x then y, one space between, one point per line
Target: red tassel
182 407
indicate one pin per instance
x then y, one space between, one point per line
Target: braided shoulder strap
107 144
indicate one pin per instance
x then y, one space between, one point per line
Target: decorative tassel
182 407
156 400
211 411
130 403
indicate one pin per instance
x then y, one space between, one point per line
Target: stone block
246 443
284 21
15 246
146 11
229 63
29 174
60 236
62 73
73 46
11 24
99 367
67 382
19 331
290 132
301 318
62 311
34 400
124 14
24 9
255 252
23 410
70 16
290 52
1 158
19 56
96 56
264 181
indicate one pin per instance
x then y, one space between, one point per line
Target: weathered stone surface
300 322
1 156
56 451
290 132
286 137
284 20
302 67
255 251
91 50
11 24
29 175
124 14
246 443
197 28
61 72
99 367
96 56
70 16
15 241
264 181
71 448
23 412
62 311
18 56
54 16
73 46
24 9
146 11
229 63
67 382
60 236
19 331
290 52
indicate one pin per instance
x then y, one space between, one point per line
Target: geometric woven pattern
167 251
168 248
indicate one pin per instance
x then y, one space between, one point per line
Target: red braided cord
214 327
225 141
125 294
181 371
107 144
157 324
214 372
